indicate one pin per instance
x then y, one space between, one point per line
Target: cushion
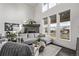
47 40
30 35
36 35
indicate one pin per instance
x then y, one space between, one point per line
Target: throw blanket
15 49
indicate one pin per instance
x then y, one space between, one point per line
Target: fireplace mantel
31 28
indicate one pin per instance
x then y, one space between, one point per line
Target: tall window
53 26
45 20
52 5
65 25
46 6
46 24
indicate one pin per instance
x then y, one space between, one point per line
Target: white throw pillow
36 35
30 35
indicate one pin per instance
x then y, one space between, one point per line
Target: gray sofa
16 49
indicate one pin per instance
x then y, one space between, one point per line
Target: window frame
63 22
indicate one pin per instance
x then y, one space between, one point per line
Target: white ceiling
32 4
29 4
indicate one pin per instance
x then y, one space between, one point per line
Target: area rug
50 50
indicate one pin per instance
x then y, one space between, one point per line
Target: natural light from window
52 5
46 6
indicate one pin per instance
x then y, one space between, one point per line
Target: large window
46 6
53 25
52 5
45 24
62 26
65 24
45 20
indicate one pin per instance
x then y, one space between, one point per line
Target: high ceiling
29 4
32 4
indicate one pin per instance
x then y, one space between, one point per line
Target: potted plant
11 36
30 21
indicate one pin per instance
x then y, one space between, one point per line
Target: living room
53 24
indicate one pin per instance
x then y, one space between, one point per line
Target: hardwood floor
66 52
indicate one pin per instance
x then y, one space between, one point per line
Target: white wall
38 16
14 13
74 22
